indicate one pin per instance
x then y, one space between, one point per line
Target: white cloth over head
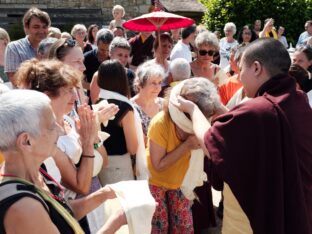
195 175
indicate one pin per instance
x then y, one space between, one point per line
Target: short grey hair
45 45
207 38
203 93
78 27
180 69
119 42
104 35
231 26
146 71
21 111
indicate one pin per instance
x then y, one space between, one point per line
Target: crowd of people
156 122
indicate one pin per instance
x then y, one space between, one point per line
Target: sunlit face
103 50
247 78
207 50
118 32
121 54
257 25
94 31
152 87
45 144
164 49
36 30
246 35
80 35
117 14
308 28
75 59
65 101
228 32
301 59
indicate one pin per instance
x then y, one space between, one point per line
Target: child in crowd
118 13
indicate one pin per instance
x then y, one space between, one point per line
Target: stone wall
133 8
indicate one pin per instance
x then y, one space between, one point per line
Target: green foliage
291 14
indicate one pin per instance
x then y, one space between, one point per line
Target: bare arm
128 125
28 216
94 88
162 160
83 206
79 179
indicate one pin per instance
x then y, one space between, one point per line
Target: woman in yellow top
168 156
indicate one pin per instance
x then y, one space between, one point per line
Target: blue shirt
303 38
18 52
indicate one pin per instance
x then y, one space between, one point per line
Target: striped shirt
18 52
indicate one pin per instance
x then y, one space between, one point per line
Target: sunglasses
209 52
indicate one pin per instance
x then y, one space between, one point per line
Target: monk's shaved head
270 53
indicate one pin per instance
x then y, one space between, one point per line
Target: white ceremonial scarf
195 175
135 198
141 164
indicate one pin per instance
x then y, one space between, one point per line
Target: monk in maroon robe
262 148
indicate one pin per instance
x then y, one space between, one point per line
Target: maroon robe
263 150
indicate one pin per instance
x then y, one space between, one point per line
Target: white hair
147 70
230 26
119 8
21 111
180 69
207 38
78 27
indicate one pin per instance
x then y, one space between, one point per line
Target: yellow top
267 34
162 132
1 158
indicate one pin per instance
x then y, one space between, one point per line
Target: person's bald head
270 53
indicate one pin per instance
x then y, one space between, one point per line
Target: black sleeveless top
116 143
56 218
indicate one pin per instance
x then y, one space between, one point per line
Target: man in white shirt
306 34
182 48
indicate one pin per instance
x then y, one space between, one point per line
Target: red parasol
156 21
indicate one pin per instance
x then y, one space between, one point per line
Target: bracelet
87 156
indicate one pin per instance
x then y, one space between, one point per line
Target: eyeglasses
247 33
209 52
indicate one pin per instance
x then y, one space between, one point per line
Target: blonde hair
78 27
4 35
119 8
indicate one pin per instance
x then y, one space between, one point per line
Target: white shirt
310 97
181 50
225 49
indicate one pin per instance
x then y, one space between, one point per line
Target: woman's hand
107 112
184 105
192 142
87 128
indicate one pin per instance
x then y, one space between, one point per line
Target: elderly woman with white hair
79 33
227 43
27 195
179 70
207 46
148 84
175 164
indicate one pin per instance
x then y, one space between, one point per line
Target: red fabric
262 149
158 20
227 90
